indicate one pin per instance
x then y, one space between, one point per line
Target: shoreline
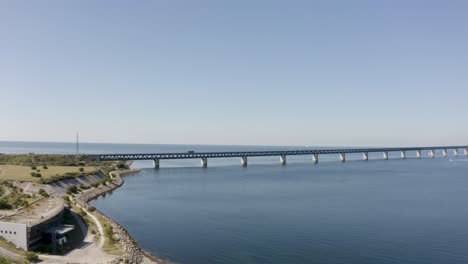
133 253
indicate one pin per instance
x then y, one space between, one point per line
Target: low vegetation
111 244
10 247
15 199
45 160
53 173
43 193
47 168
4 260
31 257
72 189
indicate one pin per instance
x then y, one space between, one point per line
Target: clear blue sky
235 72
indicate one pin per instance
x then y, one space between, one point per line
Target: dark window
14 233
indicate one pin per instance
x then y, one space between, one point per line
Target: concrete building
41 221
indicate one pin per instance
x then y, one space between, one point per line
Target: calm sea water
395 211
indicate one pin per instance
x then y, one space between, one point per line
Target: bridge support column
156 163
418 154
204 162
315 158
342 157
385 155
244 161
455 152
283 159
365 156
444 153
403 154
465 152
431 153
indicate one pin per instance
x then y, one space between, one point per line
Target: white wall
15 233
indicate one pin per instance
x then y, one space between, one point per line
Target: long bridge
243 155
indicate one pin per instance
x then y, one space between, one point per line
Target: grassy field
23 173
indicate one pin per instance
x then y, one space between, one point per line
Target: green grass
49 160
5 260
10 247
23 173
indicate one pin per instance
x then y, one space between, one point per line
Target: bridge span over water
243 155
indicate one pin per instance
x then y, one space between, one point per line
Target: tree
81 169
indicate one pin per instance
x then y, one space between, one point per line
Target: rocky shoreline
132 251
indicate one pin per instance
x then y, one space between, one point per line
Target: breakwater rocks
132 252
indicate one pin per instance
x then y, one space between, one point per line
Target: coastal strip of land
31 182
133 253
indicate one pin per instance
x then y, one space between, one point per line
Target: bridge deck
231 154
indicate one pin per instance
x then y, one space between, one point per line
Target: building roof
60 229
37 212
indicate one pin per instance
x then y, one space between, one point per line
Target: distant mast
77 147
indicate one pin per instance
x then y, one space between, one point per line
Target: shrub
33 167
81 169
72 189
109 232
66 198
43 193
38 170
5 205
38 175
23 203
91 208
95 184
45 167
122 165
31 256
33 174
4 260
82 212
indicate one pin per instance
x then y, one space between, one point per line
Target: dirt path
88 252
99 226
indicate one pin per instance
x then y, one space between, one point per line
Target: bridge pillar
283 159
244 161
204 162
455 152
365 156
465 151
156 163
431 153
418 154
385 155
315 158
342 157
403 154
444 153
